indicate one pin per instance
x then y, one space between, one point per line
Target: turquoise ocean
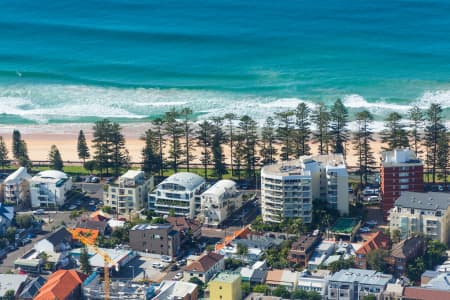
131 60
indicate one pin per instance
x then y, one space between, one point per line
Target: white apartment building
288 188
17 187
286 192
49 188
219 202
425 213
179 193
129 193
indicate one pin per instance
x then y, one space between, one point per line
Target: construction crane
107 261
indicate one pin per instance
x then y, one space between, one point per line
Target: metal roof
368 277
186 179
426 201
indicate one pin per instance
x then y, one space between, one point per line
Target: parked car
158 266
178 276
72 207
25 241
373 199
364 229
181 262
166 258
87 180
39 211
95 180
173 267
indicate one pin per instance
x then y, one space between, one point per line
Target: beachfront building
17 187
354 284
288 187
179 193
129 193
219 202
286 192
424 213
400 171
49 188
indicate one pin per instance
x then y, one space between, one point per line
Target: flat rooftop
228 277
399 157
425 201
287 168
366 277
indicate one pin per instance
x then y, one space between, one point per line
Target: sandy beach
39 139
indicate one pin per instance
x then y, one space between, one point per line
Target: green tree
174 129
9 295
4 162
268 141
247 127
285 132
369 297
435 135
204 142
55 159
102 145
336 266
396 236
24 221
200 285
231 263
150 156
338 124
281 291
238 153
82 147
376 259
85 265
186 113
246 288
435 253
417 119
242 249
414 270
11 234
23 158
119 153
158 124
302 130
321 118
362 138
394 134
261 288
90 165
16 144
230 117
218 138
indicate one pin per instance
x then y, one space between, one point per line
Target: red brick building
400 171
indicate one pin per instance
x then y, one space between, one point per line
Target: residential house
400 171
12 282
179 193
285 278
155 238
49 189
316 282
171 290
188 228
129 193
32 288
393 291
321 253
422 213
378 240
219 202
6 217
302 250
205 267
419 293
57 241
226 285
17 187
404 252
439 282
62 285
354 284
101 226
255 274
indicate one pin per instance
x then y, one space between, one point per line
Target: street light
132 267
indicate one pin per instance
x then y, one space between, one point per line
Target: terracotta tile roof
376 241
417 293
405 248
205 262
100 213
90 234
60 285
183 223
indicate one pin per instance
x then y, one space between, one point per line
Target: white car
72 207
178 276
39 211
364 229
166 258
158 266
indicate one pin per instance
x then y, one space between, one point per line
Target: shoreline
39 139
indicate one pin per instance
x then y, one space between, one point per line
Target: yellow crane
107 261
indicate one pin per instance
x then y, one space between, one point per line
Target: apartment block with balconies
424 213
179 193
129 193
17 187
400 171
